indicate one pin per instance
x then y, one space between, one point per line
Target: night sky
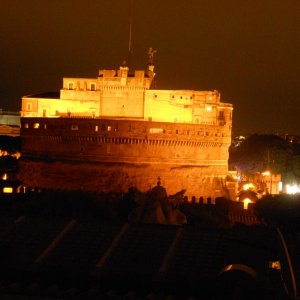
249 50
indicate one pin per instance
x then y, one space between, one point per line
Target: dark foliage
296 149
10 144
75 204
260 152
280 210
8 163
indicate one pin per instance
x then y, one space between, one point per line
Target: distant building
114 132
291 138
9 123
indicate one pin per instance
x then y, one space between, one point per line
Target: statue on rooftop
150 54
157 207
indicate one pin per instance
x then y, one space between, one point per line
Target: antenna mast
130 32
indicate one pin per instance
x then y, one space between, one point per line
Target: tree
258 153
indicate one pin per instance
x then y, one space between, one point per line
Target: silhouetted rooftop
91 255
52 246
50 95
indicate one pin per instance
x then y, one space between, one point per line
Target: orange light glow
266 173
248 186
208 108
246 203
156 130
7 190
292 189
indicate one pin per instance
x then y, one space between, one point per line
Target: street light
268 174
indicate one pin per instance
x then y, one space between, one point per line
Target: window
26 125
156 130
8 190
208 108
93 86
74 127
108 128
29 106
36 125
96 128
221 115
71 85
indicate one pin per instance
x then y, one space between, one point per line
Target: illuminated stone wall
116 94
113 132
128 141
156 105
198 181
122 103
111 155
183 106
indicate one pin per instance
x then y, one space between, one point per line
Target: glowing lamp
248 186
7 190
266 173
246 202
292 189
280 186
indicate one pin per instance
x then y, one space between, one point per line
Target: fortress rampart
114 132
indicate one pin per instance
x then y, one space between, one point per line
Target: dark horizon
247 51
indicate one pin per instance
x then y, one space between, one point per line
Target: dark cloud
248 50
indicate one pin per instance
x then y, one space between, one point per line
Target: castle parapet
124 78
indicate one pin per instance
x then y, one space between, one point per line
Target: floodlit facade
114 132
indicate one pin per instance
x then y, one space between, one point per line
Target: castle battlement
115 131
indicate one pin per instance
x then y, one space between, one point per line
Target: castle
115 131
